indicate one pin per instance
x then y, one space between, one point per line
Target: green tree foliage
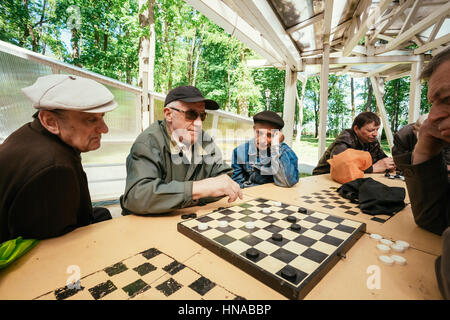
103 36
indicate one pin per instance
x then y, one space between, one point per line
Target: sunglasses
191 115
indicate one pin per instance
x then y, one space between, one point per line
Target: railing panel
15 108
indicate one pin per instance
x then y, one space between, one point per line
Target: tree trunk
190 59
197 56
368 106
352 90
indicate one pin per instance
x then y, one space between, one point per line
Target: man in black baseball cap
174 164
189 94
266 158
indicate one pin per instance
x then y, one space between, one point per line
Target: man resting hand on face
266 158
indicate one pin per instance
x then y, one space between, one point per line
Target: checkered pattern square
330 199
150 274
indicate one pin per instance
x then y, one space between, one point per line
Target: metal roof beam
365 22
305 23
261 15
225 17
366 60
433 44
415 29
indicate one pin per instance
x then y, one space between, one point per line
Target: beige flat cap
69 92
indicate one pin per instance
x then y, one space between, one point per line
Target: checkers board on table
330 199
150 274
292 265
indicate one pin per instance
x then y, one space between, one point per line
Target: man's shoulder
347 136
154 133
37 149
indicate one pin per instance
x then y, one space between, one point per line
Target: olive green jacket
159 176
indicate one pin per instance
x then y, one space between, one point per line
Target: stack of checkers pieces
394 176
386 246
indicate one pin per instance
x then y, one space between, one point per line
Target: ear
49 121
168 114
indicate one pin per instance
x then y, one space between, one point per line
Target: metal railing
15 74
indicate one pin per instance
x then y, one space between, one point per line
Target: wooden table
98 246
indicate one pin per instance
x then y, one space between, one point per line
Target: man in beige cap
43 188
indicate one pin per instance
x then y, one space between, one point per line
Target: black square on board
202 285
224 239
102 289
144 268
136 287
115 269
332 240
168 287
273 228
314 255
251 240
283 255
304 240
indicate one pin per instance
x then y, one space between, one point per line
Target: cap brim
103 108
209 104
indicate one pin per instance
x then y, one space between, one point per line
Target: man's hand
434 135
384 164
278 137
218 186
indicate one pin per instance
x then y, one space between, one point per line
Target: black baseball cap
189 94
269 117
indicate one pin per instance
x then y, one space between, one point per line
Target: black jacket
348 139
43 188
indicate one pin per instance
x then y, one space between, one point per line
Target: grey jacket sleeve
145 190
428 190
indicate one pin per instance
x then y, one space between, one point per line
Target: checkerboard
310 252
331 199
150 274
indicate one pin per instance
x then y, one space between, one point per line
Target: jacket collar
37 126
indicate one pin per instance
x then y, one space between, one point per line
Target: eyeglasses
191 115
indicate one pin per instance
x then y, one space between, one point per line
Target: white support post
215 123
323 117
151 60
378 90
290 91
300 109
415 91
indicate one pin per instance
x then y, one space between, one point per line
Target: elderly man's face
186 129
439 96
82 130
263 134
368 132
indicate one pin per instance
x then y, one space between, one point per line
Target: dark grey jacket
158 184
429 191
348 139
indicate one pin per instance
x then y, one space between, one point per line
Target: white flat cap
69 92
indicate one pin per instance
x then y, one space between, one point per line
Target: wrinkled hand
434 135
383 165
218 186
278 137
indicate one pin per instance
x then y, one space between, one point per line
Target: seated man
174 163
362 136
424 169
266 158
43 188
406 138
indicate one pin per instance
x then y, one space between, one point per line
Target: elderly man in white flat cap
43 188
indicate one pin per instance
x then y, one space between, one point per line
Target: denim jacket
252 168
